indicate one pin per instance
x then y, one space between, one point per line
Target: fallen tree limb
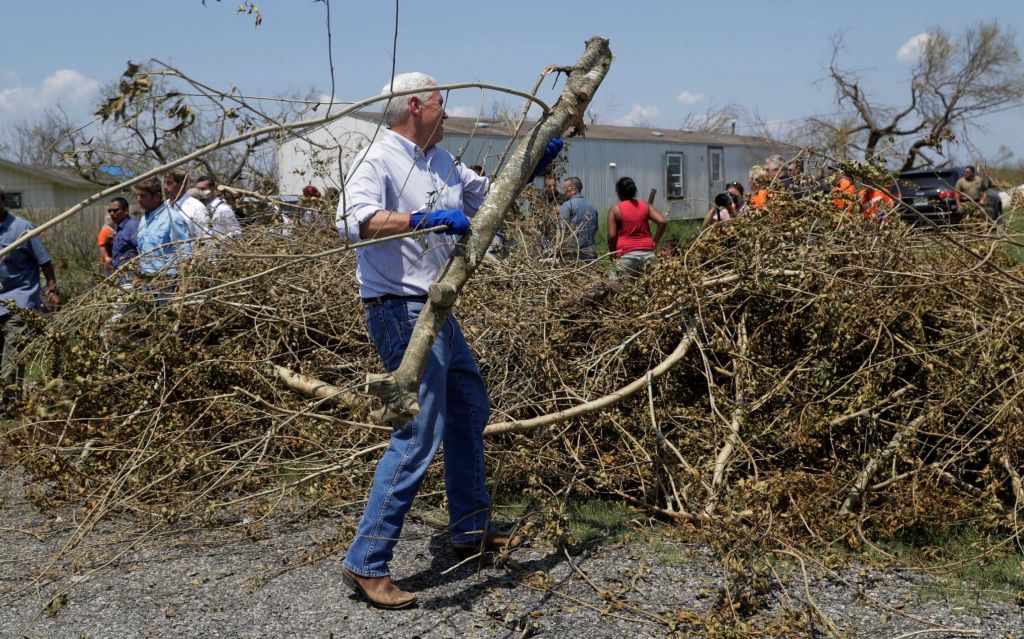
736 422
312 387
399 390
602 402
812 603
860 487
319 389
682 515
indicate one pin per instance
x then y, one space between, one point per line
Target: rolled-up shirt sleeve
365 194
474 188
39 251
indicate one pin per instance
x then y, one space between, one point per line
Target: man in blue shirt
19 289
578 217
163 235
125 229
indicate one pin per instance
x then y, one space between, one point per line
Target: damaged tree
953 83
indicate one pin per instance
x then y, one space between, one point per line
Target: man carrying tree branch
401 183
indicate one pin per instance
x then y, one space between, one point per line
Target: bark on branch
399 390
736 423
855 498
316 388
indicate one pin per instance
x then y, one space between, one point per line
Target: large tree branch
400 390
317 389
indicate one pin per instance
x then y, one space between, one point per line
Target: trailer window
13 200
674 175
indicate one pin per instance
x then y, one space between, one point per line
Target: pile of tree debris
798 369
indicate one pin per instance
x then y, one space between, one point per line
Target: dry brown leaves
838 361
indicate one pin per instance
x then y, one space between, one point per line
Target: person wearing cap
20 290
404 182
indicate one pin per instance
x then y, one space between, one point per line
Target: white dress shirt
393 174
223 223
195 214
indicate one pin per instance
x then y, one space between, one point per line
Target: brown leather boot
492 542
381 592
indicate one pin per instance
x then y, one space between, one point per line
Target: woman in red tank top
629 229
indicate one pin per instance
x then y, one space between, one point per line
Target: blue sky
672 58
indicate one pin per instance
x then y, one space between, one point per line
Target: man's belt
387 297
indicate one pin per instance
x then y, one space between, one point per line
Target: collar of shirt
125 223
408 145
148 215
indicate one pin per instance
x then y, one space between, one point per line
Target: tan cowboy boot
381 592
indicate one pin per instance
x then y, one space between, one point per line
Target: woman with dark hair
629 229
723 209
735 189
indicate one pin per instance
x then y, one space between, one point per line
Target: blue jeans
454 409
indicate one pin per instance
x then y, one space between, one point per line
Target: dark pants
11 336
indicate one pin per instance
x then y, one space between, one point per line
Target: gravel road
177 582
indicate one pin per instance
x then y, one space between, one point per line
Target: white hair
396 108
775 162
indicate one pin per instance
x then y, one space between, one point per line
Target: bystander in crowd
20 293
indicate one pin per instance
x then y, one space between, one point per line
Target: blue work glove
454 219
554 148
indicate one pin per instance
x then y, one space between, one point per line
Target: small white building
40 193
687 169
35 187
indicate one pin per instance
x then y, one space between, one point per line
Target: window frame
669 193
718 164
12 200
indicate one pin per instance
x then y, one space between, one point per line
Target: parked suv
931 194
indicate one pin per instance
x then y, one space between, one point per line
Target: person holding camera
724 209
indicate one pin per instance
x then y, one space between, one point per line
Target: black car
930 195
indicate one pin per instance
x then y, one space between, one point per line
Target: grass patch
592 519
968 555
682 231
1015 227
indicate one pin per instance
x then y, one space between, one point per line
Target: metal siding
586 158
313 159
